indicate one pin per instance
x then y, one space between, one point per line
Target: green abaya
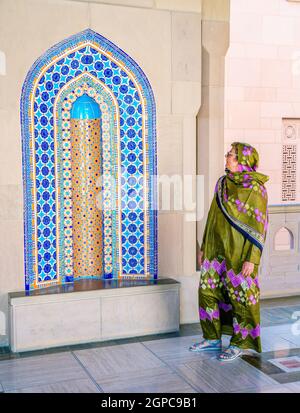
235 232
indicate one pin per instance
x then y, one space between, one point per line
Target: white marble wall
164 37
280 268
263 80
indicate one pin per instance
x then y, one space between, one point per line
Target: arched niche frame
87 63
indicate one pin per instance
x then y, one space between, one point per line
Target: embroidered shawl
242 196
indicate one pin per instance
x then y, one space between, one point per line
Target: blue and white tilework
88 63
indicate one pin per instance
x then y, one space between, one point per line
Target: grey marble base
92 310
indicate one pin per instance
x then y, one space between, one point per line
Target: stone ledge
92 311
283 208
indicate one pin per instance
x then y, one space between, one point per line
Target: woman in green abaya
230 255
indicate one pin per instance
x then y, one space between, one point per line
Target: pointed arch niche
89 165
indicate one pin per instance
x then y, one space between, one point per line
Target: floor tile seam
172 369
87 372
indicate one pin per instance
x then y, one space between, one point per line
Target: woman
230 254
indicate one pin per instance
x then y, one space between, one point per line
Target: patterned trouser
229 304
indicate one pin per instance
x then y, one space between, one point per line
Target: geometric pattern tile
289 172
88 63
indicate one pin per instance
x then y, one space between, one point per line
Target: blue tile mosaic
88 63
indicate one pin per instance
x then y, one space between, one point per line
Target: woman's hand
199 258
248 268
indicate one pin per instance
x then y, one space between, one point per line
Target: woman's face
231 160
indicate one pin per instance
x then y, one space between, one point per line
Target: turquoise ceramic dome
85 107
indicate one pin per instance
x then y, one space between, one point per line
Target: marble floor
163 363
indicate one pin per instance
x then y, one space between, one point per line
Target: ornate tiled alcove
89 173
89 165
